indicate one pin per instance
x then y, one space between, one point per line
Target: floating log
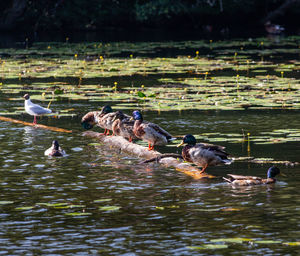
56 129
124 145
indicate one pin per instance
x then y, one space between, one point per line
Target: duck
240 180
55 150
203 154
273 28
150 132
122 126
34 109
103 119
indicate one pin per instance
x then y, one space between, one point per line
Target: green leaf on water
58 91
141 94
102 200
208 246
53 204
109 208
267 242
231 240
25 208
6 202
78 214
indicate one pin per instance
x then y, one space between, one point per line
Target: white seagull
55 150
34 109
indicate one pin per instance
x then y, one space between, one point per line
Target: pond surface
96 201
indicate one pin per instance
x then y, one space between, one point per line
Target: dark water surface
55 206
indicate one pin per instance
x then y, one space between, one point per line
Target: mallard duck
203 154
103 119
122 126
55 150
150 132
240 180
34 109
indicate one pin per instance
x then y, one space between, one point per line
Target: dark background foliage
35 15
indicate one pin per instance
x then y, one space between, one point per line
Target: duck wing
216 149
160 130
242 177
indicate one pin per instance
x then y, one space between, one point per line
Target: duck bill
282 174
131 119
180 144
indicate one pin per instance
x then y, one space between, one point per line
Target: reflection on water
97 201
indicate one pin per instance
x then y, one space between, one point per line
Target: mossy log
56 129
142 152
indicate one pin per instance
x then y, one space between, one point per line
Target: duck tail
228 180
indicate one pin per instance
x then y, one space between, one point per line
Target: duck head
88 121
188 139
106 109
26 96
55 145
137 115
272 172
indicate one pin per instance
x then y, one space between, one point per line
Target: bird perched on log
34 109
150 132
239 180
103 119
122 126
203 154
55 150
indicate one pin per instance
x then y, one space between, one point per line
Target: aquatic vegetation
232 77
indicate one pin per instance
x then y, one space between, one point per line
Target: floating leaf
208 246
267 242
109 208
25 208
78 214
6 202
141 94
231 240
102 200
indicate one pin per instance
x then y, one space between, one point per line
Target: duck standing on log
122 126
150 132
103 119
34 109
240 180
203 154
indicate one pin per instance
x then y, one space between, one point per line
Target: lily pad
109 208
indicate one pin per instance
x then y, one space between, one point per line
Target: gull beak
180 144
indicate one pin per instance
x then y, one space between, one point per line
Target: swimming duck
103 119
203 154
55 150
122 126
34 109
150 132
240 180
273 28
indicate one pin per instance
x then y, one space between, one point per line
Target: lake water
98 201
150 210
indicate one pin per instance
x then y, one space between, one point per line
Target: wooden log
56 129
124 145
